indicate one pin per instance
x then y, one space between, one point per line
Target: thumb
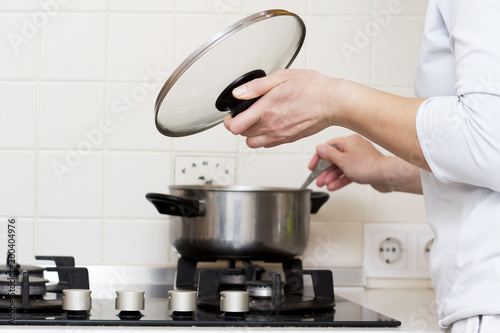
328 152
257 87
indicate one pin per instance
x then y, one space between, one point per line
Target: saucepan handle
176 206
317 200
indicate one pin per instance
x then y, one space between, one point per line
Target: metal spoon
321 166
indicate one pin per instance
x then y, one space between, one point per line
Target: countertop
415 308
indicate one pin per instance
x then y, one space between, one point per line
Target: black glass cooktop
345 313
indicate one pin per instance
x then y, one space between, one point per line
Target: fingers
247 124
322 152
314 160
278 117
253 115
258 87
338 184
243 122
329 152
333 178
330 175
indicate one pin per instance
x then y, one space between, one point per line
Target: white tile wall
214 139
408 7
297 6
340 7
129 109
19 45
25 241
334 244
141 6
128 176
135 242
267 170
325 55
17 176
69 113
194 28
70 184
393 65
78 144
18 116
201 6
73 47
12 5
82 5
131 51
80 238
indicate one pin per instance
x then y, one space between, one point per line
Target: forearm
383 118
398 175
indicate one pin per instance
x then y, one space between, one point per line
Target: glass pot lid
198 96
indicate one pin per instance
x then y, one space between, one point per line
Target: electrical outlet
376 236
391 250
396 250
204 170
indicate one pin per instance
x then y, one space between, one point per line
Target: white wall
66 65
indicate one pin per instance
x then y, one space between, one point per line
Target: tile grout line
37 137
104 136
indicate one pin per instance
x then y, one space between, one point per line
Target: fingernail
321 149
240 91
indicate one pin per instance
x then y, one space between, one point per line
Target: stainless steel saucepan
237 222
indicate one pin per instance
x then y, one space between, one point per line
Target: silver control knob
182 300
76 300
129 300
234 301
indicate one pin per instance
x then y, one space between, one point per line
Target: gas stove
244 294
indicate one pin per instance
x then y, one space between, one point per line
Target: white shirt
459 130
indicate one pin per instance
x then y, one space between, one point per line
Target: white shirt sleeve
460 135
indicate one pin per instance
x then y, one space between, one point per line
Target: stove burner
233 279
262 289
36 285
323 299
16 269
269 296
24 288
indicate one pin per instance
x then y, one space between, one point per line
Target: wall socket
397 250
204 170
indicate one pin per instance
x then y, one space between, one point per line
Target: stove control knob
76 300
234 301
182 300
129 300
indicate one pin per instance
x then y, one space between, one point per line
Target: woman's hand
359 161
299 103
293 107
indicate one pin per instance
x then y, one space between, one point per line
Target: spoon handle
320 167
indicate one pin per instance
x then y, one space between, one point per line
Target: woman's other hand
357 160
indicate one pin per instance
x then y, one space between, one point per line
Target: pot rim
237 188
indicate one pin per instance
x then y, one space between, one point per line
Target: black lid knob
227 102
